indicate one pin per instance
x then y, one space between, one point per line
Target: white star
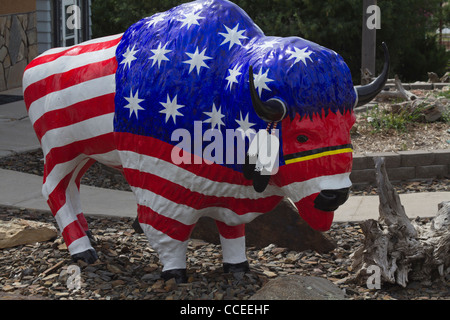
159 55
245 126
260 81
133 103
215 117
300 55
171 108
268 44
155 19
197 60
233 74
190 19
233 36
129 56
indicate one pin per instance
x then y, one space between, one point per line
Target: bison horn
367 92
272 110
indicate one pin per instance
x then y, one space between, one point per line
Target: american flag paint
69 94
119 99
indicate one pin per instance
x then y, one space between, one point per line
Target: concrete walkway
24 190
16 132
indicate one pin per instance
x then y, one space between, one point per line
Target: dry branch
425 109
400 93
408 95
401 248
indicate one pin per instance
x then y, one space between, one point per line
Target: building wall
44 25
27 29
18 41
402 166
17 6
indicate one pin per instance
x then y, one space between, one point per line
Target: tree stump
402 249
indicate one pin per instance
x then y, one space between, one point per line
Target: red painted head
316 117
318 160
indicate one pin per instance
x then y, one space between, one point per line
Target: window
71 14
71 22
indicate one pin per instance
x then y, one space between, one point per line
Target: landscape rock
433 77
445 77
294 287
282 226
20 231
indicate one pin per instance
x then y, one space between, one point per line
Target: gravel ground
128 268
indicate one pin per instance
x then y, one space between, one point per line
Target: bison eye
302 138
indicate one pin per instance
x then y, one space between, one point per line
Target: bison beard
317 219
318 209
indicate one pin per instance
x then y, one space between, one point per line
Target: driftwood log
400 93
402 249
427 109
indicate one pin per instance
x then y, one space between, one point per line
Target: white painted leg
233 250
171 252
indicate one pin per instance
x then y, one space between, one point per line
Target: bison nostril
329 195
330 200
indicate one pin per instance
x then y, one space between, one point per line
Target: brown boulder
20 231
295 287
282 226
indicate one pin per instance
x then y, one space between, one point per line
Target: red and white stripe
69 95
171 198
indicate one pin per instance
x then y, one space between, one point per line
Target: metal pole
368 43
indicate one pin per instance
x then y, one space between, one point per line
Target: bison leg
169 242
232 239
61 188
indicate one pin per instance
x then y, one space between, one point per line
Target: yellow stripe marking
319 155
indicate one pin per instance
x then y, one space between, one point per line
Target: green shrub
379 119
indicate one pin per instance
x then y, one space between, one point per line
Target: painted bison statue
176 103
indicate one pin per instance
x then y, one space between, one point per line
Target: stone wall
402 166
18 46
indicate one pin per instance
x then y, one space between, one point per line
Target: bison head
316 153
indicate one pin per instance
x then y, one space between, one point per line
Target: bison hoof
91 237
236 267
89 256
137 226
178 274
